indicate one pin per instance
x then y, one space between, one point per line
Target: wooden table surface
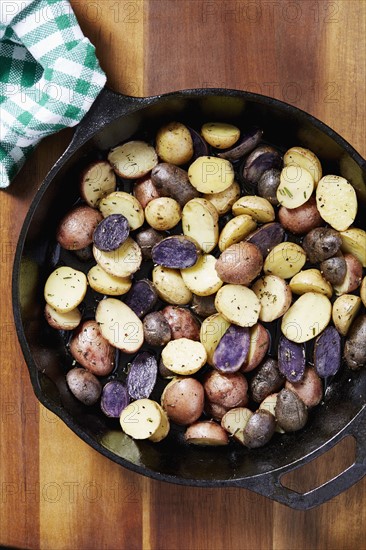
58 493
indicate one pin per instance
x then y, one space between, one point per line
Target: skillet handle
270 484
108 106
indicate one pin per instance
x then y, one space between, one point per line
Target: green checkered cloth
49 76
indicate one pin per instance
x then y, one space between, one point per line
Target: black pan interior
37 254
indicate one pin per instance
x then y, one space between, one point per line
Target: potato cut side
269 404
123 203
235 420
105 283
163 213
62 321
65 288
184 356
238 304
307 317
97 181
310 280
212 330
337 202
274 295
296 187
345 309
163 429
202 278
220 134
174 143
200 222
236 230
142 419
304 158
211 174
258 208
285 260
170 286
133 159
122 262
223 201
119 325
363 291
354 242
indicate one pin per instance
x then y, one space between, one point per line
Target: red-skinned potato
309 389
91 350
75 231
182 323
145 191
206 432
302 219
259 344
353 276
84 385
240 263
183 400
227 390
215 411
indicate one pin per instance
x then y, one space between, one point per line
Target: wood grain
58 493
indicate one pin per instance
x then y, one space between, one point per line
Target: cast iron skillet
114 118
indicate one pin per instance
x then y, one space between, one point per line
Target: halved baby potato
119 325
174 143
307 317
123 203
144 419
220 134
299 156
296 186
206 432
238 304
223 201
212 330
170 286
363 291
258 208
105 283
310 280
345 309
133 159
354 242
274 296
184 356
62 321
234 422
211 174
200 222
122 262
65 289
353 277
163 213
285 260
236 230
336 201
97 180
202 278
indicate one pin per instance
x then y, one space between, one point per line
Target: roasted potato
182 323
302 219
321 243
355 346
202 279
239 264
170 286
353 277
345 309
84 385
227 390
145 191
163 213
133 159
309 388
174 143
220 134
336 201
172 181
307 317
75 230
211 174
156 329
183 400
206 432
91 350
274 296
291 411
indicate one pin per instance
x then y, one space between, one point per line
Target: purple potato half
291 359
111 232
176 252
142 375
114 399
327 353
267 237
232 349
